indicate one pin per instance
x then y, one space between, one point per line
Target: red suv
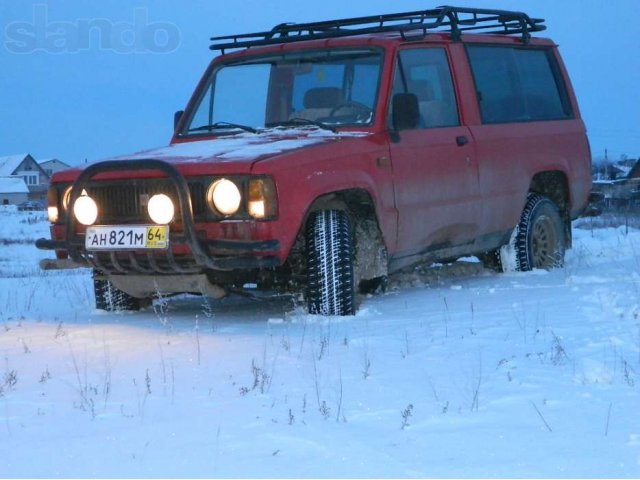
321 157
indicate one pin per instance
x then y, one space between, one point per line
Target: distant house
607 171
25 167
635 170
624 190
53 165
13 191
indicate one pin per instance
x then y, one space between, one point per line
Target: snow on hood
244 145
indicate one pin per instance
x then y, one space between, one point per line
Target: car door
434 165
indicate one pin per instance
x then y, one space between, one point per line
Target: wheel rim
544 243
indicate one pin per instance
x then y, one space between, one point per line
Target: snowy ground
455 372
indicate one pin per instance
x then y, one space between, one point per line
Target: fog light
161 209
85 209
224 196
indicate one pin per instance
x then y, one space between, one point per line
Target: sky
87 81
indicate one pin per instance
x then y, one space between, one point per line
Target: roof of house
9 164
635 170
52 160
13 185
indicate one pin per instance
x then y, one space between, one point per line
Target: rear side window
518 85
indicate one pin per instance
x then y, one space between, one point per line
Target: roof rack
448 19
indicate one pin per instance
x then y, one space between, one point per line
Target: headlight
66 196
57 202
224 196
52 212
85 209
161 209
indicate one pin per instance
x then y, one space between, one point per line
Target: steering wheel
361 111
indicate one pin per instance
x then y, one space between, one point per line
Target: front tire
330 283
539 239
111 299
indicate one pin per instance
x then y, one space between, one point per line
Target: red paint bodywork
427 190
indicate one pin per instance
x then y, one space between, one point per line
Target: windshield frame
205 86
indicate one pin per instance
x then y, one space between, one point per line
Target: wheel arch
356 200
554 184
371 257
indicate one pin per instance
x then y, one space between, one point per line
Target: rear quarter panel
511 154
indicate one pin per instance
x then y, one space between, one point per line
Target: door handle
461 140
383 162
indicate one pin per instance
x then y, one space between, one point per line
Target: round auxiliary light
161 209
225 196
85 209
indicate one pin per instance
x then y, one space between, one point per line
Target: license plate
127 237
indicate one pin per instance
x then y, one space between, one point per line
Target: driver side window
425 73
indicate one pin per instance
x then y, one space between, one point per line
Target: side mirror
176 118
406 112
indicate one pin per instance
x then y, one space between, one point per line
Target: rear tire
330 283
539 240
109 298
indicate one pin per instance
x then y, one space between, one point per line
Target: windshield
325 89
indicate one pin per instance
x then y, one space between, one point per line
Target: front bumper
200 254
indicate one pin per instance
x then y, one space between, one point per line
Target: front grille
125 201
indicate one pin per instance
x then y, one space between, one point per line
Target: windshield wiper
297 121
223 125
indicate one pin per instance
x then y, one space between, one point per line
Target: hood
230 153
